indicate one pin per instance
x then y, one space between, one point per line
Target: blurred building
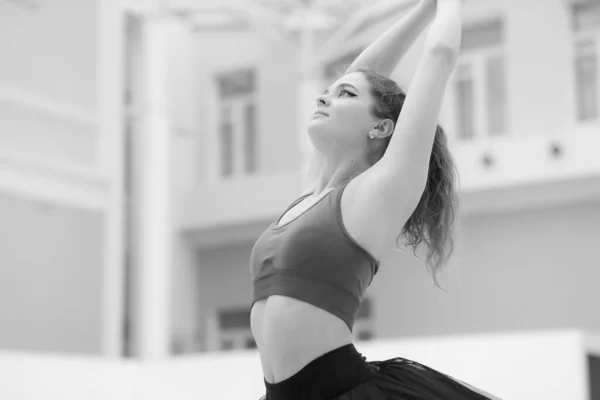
144 149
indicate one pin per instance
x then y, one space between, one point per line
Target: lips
319 112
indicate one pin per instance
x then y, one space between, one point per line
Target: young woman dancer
383 169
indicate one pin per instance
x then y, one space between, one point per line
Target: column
154 228
110 108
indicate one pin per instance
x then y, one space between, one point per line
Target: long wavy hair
432 221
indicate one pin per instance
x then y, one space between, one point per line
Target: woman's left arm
386 51
406 160
396 182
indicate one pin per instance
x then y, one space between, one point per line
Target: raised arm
406 160
383 55
386 51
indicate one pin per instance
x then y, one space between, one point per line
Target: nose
322 100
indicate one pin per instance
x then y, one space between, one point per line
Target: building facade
145 151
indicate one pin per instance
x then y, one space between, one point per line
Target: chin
318 134
317 128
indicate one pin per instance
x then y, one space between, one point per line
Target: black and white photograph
300 199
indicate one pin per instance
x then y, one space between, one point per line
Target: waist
334 298
290 333
327 377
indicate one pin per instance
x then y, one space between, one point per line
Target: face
343 118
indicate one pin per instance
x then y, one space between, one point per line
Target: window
250 138
586 27
237 123
226 142
229 329
479 82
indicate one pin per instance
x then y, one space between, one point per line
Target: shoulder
373 216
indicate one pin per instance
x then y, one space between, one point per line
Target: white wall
540 62
278 117
49 56
527 270
50 277
184 106
52 237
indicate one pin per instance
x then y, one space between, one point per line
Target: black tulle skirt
344 374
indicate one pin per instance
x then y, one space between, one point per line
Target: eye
347 92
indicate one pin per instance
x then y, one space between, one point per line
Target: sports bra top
314 259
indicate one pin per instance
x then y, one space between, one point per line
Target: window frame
580 38
472 64
244 139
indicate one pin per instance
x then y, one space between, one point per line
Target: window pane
586 67
250 138
237 83
481 35
235 318
586 16
496 98
464 107
226 143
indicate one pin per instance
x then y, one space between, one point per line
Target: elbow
443 51
444 38
443 48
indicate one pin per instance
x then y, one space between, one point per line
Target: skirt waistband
325 377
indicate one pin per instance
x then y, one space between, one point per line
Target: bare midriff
290 333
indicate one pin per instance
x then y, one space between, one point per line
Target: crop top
314 259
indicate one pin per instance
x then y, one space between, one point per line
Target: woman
383 173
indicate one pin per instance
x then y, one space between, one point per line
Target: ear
383 129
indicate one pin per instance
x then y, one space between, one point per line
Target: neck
333 174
